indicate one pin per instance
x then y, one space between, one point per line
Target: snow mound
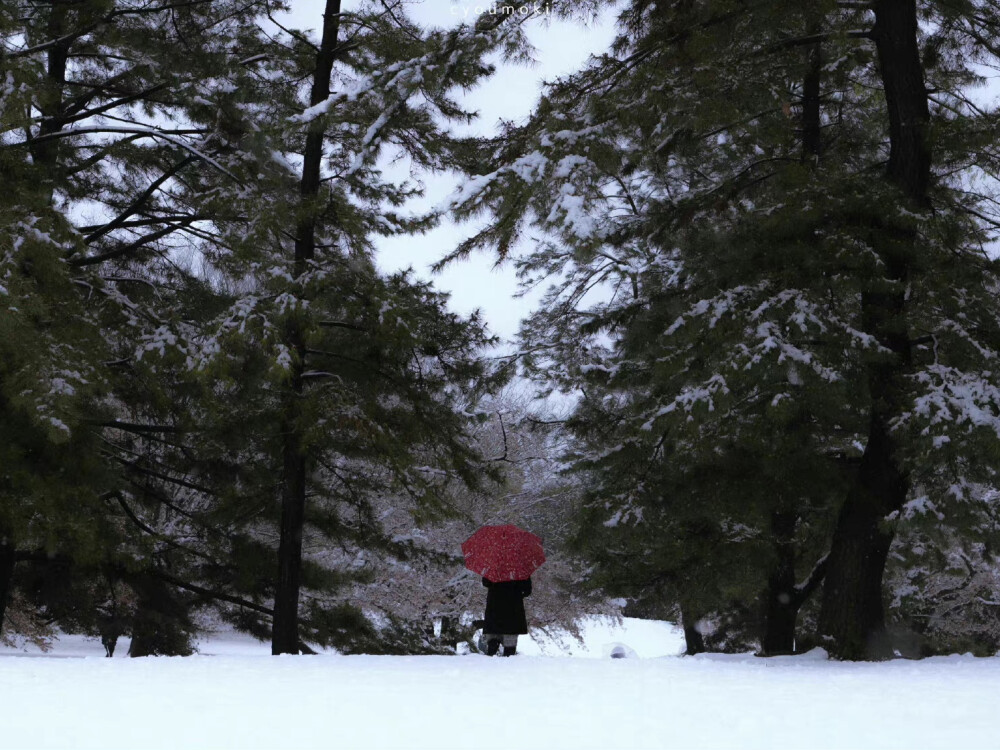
618 651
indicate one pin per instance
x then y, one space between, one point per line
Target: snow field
234 695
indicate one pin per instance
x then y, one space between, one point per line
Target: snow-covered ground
234 695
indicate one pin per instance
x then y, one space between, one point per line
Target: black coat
505 607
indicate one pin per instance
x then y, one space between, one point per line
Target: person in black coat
505 618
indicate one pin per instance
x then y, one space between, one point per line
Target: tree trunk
450 631
852 618
812 123
111 622
895 35
285 628
694 642
109 639
7 561
45 155
781 601
160 624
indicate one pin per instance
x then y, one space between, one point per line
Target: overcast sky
562 47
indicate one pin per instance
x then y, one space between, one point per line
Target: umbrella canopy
503 553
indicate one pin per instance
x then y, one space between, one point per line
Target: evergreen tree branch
805 589
148 132
61 41
132 466
154 220
810 39
209 593
137 204
139 523
122 250
83 114
133 427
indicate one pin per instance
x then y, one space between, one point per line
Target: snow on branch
952 397
690 397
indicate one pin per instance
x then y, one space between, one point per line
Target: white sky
562 47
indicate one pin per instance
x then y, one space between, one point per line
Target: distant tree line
768 233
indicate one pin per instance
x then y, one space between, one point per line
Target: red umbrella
503 553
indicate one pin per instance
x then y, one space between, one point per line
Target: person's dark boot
492 646
509 651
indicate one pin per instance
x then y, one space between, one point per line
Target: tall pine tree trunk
781 605
285 629
852 618
7 561
45 154
781 599
812 123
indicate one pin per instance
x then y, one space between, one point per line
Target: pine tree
106 114
685 481
249 350
761 292
331 384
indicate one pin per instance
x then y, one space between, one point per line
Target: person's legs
509 645
492 643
